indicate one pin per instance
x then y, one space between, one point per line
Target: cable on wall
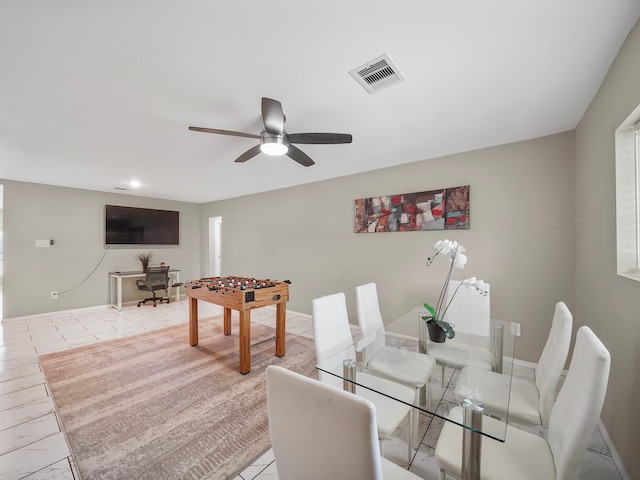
88 276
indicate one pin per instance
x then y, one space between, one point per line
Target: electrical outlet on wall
515 329
54 295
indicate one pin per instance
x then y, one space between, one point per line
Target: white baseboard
58 312
524 363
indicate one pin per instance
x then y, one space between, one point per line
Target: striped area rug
154 407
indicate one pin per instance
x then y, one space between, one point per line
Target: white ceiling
94 93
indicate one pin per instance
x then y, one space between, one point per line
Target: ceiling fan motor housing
272 144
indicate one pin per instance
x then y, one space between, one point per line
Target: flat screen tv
141 226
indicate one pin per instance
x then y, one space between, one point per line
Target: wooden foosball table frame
242 300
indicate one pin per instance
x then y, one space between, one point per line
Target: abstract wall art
441 209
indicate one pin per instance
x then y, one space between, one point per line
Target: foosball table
242 294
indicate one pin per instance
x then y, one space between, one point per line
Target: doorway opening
215 253
1 245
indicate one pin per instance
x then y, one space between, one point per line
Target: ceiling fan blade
223 132
272 116
319 138
299 156
249 154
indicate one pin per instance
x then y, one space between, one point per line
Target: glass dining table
409 333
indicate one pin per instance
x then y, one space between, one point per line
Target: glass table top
397 351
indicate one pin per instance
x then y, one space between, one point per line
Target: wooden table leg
281 327
193 321
245 341
227 321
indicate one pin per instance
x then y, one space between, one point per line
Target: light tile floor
32 445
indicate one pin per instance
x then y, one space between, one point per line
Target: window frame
627 150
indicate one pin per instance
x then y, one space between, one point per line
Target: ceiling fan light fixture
274 140
274 145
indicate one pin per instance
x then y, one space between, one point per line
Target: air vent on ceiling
377 74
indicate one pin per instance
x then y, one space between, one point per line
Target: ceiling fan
274 140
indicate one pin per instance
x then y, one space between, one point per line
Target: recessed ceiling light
134 184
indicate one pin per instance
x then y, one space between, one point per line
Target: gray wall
521 238
74 219
609 304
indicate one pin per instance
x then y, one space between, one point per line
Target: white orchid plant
458 260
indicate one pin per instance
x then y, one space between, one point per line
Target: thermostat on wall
43 243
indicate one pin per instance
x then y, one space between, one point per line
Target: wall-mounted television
141 226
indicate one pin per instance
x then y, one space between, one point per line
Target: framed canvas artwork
441 209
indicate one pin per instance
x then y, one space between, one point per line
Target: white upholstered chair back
577 409
319 432
470 311
331 332
333 340
369 316
553 358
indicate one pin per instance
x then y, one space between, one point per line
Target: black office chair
157 279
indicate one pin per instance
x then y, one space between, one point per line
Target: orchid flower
474 284
458 260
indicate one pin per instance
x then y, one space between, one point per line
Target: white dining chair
321 432
573 420
518 400
332 336
470 314
408 367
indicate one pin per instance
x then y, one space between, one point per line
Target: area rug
154 407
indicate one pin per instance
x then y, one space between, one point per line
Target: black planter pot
436 334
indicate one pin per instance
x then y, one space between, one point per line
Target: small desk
243 300
116 291
404 334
